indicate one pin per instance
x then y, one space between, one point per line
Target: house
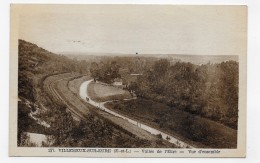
118 82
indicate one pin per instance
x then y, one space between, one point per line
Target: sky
127 29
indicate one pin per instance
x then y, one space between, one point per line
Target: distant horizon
195 59
139 54
124 54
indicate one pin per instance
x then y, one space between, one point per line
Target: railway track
57 96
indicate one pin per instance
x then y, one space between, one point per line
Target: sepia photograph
128 80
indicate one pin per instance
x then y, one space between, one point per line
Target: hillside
47 106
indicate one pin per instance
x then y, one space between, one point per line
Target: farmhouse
118 82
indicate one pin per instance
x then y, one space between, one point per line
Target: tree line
105 71
208 90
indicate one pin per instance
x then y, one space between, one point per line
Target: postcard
128 80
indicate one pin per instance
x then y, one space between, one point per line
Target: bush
159 136
197 130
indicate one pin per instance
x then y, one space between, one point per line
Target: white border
253 112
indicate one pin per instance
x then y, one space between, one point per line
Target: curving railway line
55 94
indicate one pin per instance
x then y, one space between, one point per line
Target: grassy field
102 92
193 129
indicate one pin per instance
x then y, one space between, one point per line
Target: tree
161 67
107 71
63 125
94 70
114 70
23 121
